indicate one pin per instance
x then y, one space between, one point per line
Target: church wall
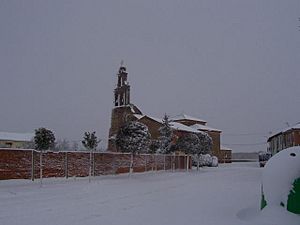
119 116
216 142
152 125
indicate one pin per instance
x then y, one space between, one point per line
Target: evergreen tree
90 141
189 143
205 146
133 137
154 146
205 143
44 139
166 135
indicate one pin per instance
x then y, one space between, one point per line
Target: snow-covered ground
228 195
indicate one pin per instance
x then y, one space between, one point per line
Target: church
182 124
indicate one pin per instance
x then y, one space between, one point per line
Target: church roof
9 136
174 125
186 117
203 127
182 127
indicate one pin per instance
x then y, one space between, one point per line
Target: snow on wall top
8 136
225 148
203 127
186 117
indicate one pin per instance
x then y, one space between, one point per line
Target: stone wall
25 164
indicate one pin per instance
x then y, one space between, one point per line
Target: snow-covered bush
215 161
205 160
133 137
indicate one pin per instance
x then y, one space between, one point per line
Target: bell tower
122 91
123 109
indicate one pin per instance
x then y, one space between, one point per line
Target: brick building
15 140
286 138
182 124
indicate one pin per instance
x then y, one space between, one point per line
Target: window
8 144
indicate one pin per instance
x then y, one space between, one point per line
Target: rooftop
294 127
9 136
203 127
186 117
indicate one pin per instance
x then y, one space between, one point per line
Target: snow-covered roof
203 127
294 127
156 119
138 116
8 136
181 127
186 117
176 126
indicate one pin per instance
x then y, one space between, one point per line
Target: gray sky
236 64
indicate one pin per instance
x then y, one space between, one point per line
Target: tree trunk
187 162
198 162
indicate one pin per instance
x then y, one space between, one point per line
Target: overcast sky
235 64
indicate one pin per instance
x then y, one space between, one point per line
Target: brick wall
25 164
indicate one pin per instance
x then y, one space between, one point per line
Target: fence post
66 165
173 162
94 164
32 165
90 166
114 164
145 163
131 164
41 168
155 162
152 161
164 162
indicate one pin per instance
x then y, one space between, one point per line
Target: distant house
15 140
284 139
225 154
182 124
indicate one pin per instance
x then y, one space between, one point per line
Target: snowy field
228 195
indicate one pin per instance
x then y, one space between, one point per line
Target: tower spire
122 91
